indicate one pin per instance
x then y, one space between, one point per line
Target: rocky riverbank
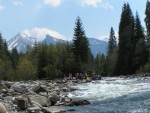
38 96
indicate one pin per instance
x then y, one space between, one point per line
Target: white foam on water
119 91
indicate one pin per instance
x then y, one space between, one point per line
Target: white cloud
40 33
107 6
103 37
96 3
53 3
17 3
106 37
93 3
1 7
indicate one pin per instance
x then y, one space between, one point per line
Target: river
114 95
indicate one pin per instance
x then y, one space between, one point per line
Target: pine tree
126 42
111 53
41 61
14 57
2 48
80 42
5 62
112 43
147 18
100 64
139 30
141 52
147 22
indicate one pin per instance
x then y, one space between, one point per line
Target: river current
114 95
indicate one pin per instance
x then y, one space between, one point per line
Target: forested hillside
130 55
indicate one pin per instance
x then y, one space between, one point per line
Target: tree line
129 55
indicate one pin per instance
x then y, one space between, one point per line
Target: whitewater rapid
114 95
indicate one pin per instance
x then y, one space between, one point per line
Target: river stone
3 86
56 109
2 108
39 89
20 89
22 102
65 99
34 110
53 98
78 103
42 100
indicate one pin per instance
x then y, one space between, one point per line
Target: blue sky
57 17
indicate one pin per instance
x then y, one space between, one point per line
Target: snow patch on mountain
98 46
25 38
40 33
21 41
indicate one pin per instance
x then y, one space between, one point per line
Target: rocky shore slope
43 96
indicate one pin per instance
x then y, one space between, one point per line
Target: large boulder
3 87
22 102
39 89
42 100
20 89
53 98
2 108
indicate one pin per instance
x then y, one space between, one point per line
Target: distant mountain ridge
22 40
52 40
98 46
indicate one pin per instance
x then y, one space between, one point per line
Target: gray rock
35 104
39 89
53 98
3 87
33 110
65 99
42 100
22 102
20 89
2 108
78 103
56 109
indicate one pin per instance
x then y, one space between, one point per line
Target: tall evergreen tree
126 42
14 57
139 30
100 64
80 42
112 43
147 22
41 61
147 18
141 52
111 53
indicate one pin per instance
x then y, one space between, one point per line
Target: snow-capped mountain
98 46
52 40
21 41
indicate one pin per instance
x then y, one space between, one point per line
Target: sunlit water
114 95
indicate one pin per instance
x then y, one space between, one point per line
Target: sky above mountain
57 17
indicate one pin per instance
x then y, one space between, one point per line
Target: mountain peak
20 41
52 40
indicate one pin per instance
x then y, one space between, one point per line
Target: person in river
70 76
